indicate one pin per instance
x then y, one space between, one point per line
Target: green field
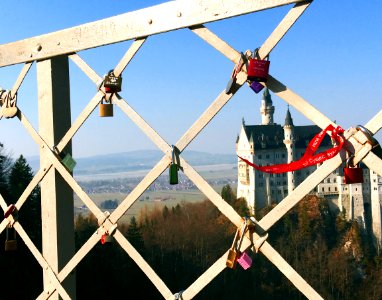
149 200
159 198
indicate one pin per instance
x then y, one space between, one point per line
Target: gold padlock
105 109
233 254
10 244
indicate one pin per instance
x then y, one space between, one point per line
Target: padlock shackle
349 161
255 54
368 134
175 155
105 98
233 247
243 229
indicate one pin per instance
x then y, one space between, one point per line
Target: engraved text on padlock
112 83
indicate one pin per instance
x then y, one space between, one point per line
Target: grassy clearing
159 198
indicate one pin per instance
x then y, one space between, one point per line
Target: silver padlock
9 108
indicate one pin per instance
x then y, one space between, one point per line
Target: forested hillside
181 242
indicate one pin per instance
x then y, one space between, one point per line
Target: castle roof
267 96
271 136
288 119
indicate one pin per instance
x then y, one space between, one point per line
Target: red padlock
352 174
258 69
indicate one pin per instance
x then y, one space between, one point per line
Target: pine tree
227 194
134 235
5 163
20 176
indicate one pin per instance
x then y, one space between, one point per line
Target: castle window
328 180
374 180
375 189
335 188
328 189
267 156
283 155
284 182
259 156
260 175
285 192
323 189
334 180
279 192
271 175
356 189
284 174
278 175
271 183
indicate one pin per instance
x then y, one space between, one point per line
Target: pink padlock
245 260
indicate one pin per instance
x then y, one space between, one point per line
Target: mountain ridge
137 160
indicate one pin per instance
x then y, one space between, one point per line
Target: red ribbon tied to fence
309 158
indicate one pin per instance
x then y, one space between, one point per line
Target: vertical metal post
56 195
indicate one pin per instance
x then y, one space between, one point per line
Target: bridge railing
51 53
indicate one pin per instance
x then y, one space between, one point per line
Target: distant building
270 143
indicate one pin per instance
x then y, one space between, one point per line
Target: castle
271 143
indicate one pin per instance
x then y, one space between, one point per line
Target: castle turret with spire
266 109
290 149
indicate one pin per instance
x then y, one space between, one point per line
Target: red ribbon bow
308 159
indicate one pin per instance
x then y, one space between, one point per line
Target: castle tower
246 179
376 188
266 109
289 144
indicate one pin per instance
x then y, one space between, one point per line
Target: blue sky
331 57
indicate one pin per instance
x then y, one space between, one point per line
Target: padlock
10 210
376 147
245 260
66 159
352 174
105 109
231 83
233 253
9 108
174 173
174 167
106 238
256 86
68 162
258 69
112 83
10 240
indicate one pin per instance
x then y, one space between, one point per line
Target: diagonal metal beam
209 113
41 260
157 19
279 32
21 78
59 167
143 265
236 219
